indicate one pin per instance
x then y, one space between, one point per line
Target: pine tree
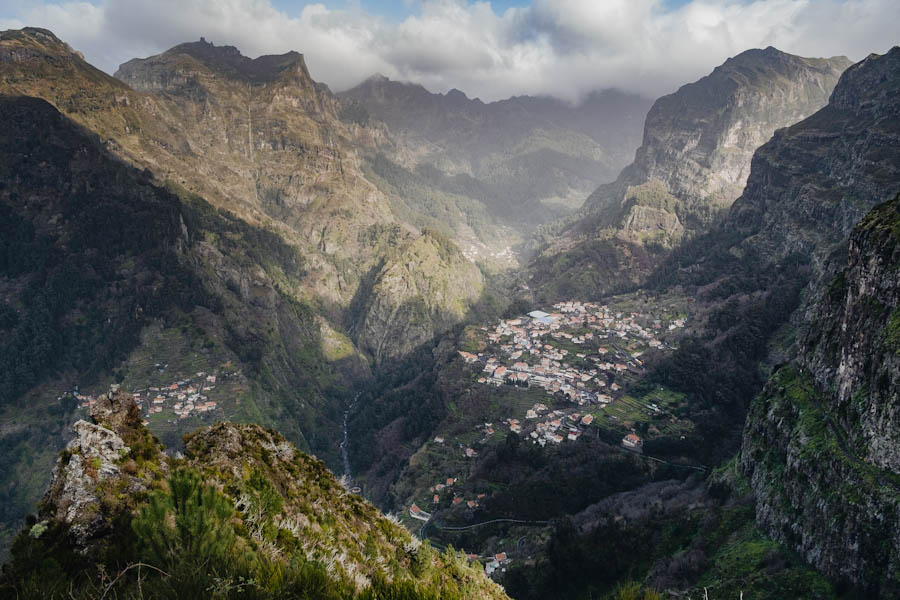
188 524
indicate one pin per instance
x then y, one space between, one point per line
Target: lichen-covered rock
89 460
97 466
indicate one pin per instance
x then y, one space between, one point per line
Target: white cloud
559 47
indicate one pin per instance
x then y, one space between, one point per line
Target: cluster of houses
497 561
183 397
530 352
444 487
557 426
479 251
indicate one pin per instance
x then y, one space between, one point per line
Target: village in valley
558 375
584 352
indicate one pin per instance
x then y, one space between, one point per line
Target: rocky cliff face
852 347
99 462
264 140
698 142
814 181
691 166
428 285
820 445
258 138
820 441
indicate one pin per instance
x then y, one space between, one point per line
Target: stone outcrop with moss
243 514
820 445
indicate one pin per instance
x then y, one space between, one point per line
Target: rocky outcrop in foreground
244 512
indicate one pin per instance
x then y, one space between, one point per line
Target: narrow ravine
345 444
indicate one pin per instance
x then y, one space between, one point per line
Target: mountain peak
222 60
36 33
38 40
874 80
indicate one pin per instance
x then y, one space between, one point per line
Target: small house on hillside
633 442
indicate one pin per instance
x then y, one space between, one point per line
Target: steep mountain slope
245 514
817 441
698 142
692 164
236 250
820 444
105 274
817 468
427 284
518 156
774 251
257 137
813 181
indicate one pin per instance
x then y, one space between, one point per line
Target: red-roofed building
632 441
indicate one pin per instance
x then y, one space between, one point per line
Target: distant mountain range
525 154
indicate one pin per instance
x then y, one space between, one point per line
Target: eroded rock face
699 142
692 165
428 287
89 459
91 473
853 348
822 442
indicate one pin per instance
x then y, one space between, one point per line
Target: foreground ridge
243 512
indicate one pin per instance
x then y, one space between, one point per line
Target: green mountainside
817 441
243 515
820 443
747 285
108 277
258 138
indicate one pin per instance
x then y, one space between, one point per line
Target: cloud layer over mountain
559 47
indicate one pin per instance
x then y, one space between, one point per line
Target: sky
489 49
